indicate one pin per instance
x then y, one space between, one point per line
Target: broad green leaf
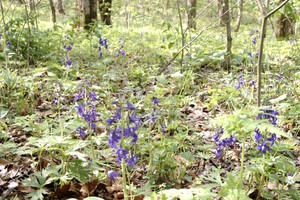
280 98
3 112
93 198
2 124
170 45
188 156
31 182
272 129
37 195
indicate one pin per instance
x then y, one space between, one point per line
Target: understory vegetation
104 114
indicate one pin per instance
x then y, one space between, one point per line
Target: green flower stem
59 118
243 158
123 165
150 163
92 149
261 182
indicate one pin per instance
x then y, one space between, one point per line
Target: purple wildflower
69 63
112 174
68 48
163 129
130 106
251 82
114 137
121 154
132 160
155 101
92 96
240 82
8 44
79 96
272 139
263 147
81 132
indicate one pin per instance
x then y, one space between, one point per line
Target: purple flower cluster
121 50
87 111
263 145
253 34
102 43
127 136
8 44
66 58
222 144
121 134
270 115
241 81
153 116
112 174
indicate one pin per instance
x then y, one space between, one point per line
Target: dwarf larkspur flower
222 144
87 111
240 82
120 134
112 174
263 145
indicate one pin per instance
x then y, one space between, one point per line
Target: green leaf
31 182
3 112
272 129
80 172
93 198
188 156
280 98
37 195
170 45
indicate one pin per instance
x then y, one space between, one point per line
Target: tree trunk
227 19
53 11
60 7
89 12
105 11
192 12
240 12
79 17
284 26
221 12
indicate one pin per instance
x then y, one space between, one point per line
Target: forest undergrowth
88 116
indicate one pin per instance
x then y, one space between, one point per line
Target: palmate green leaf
80 172
37 195
236 194
215 176
31 182
79 155
273 129
37 180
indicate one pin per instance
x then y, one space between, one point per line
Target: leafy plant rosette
242 126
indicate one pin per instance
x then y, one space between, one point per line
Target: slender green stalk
123 165
59 118
261 182
242 159
93 149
